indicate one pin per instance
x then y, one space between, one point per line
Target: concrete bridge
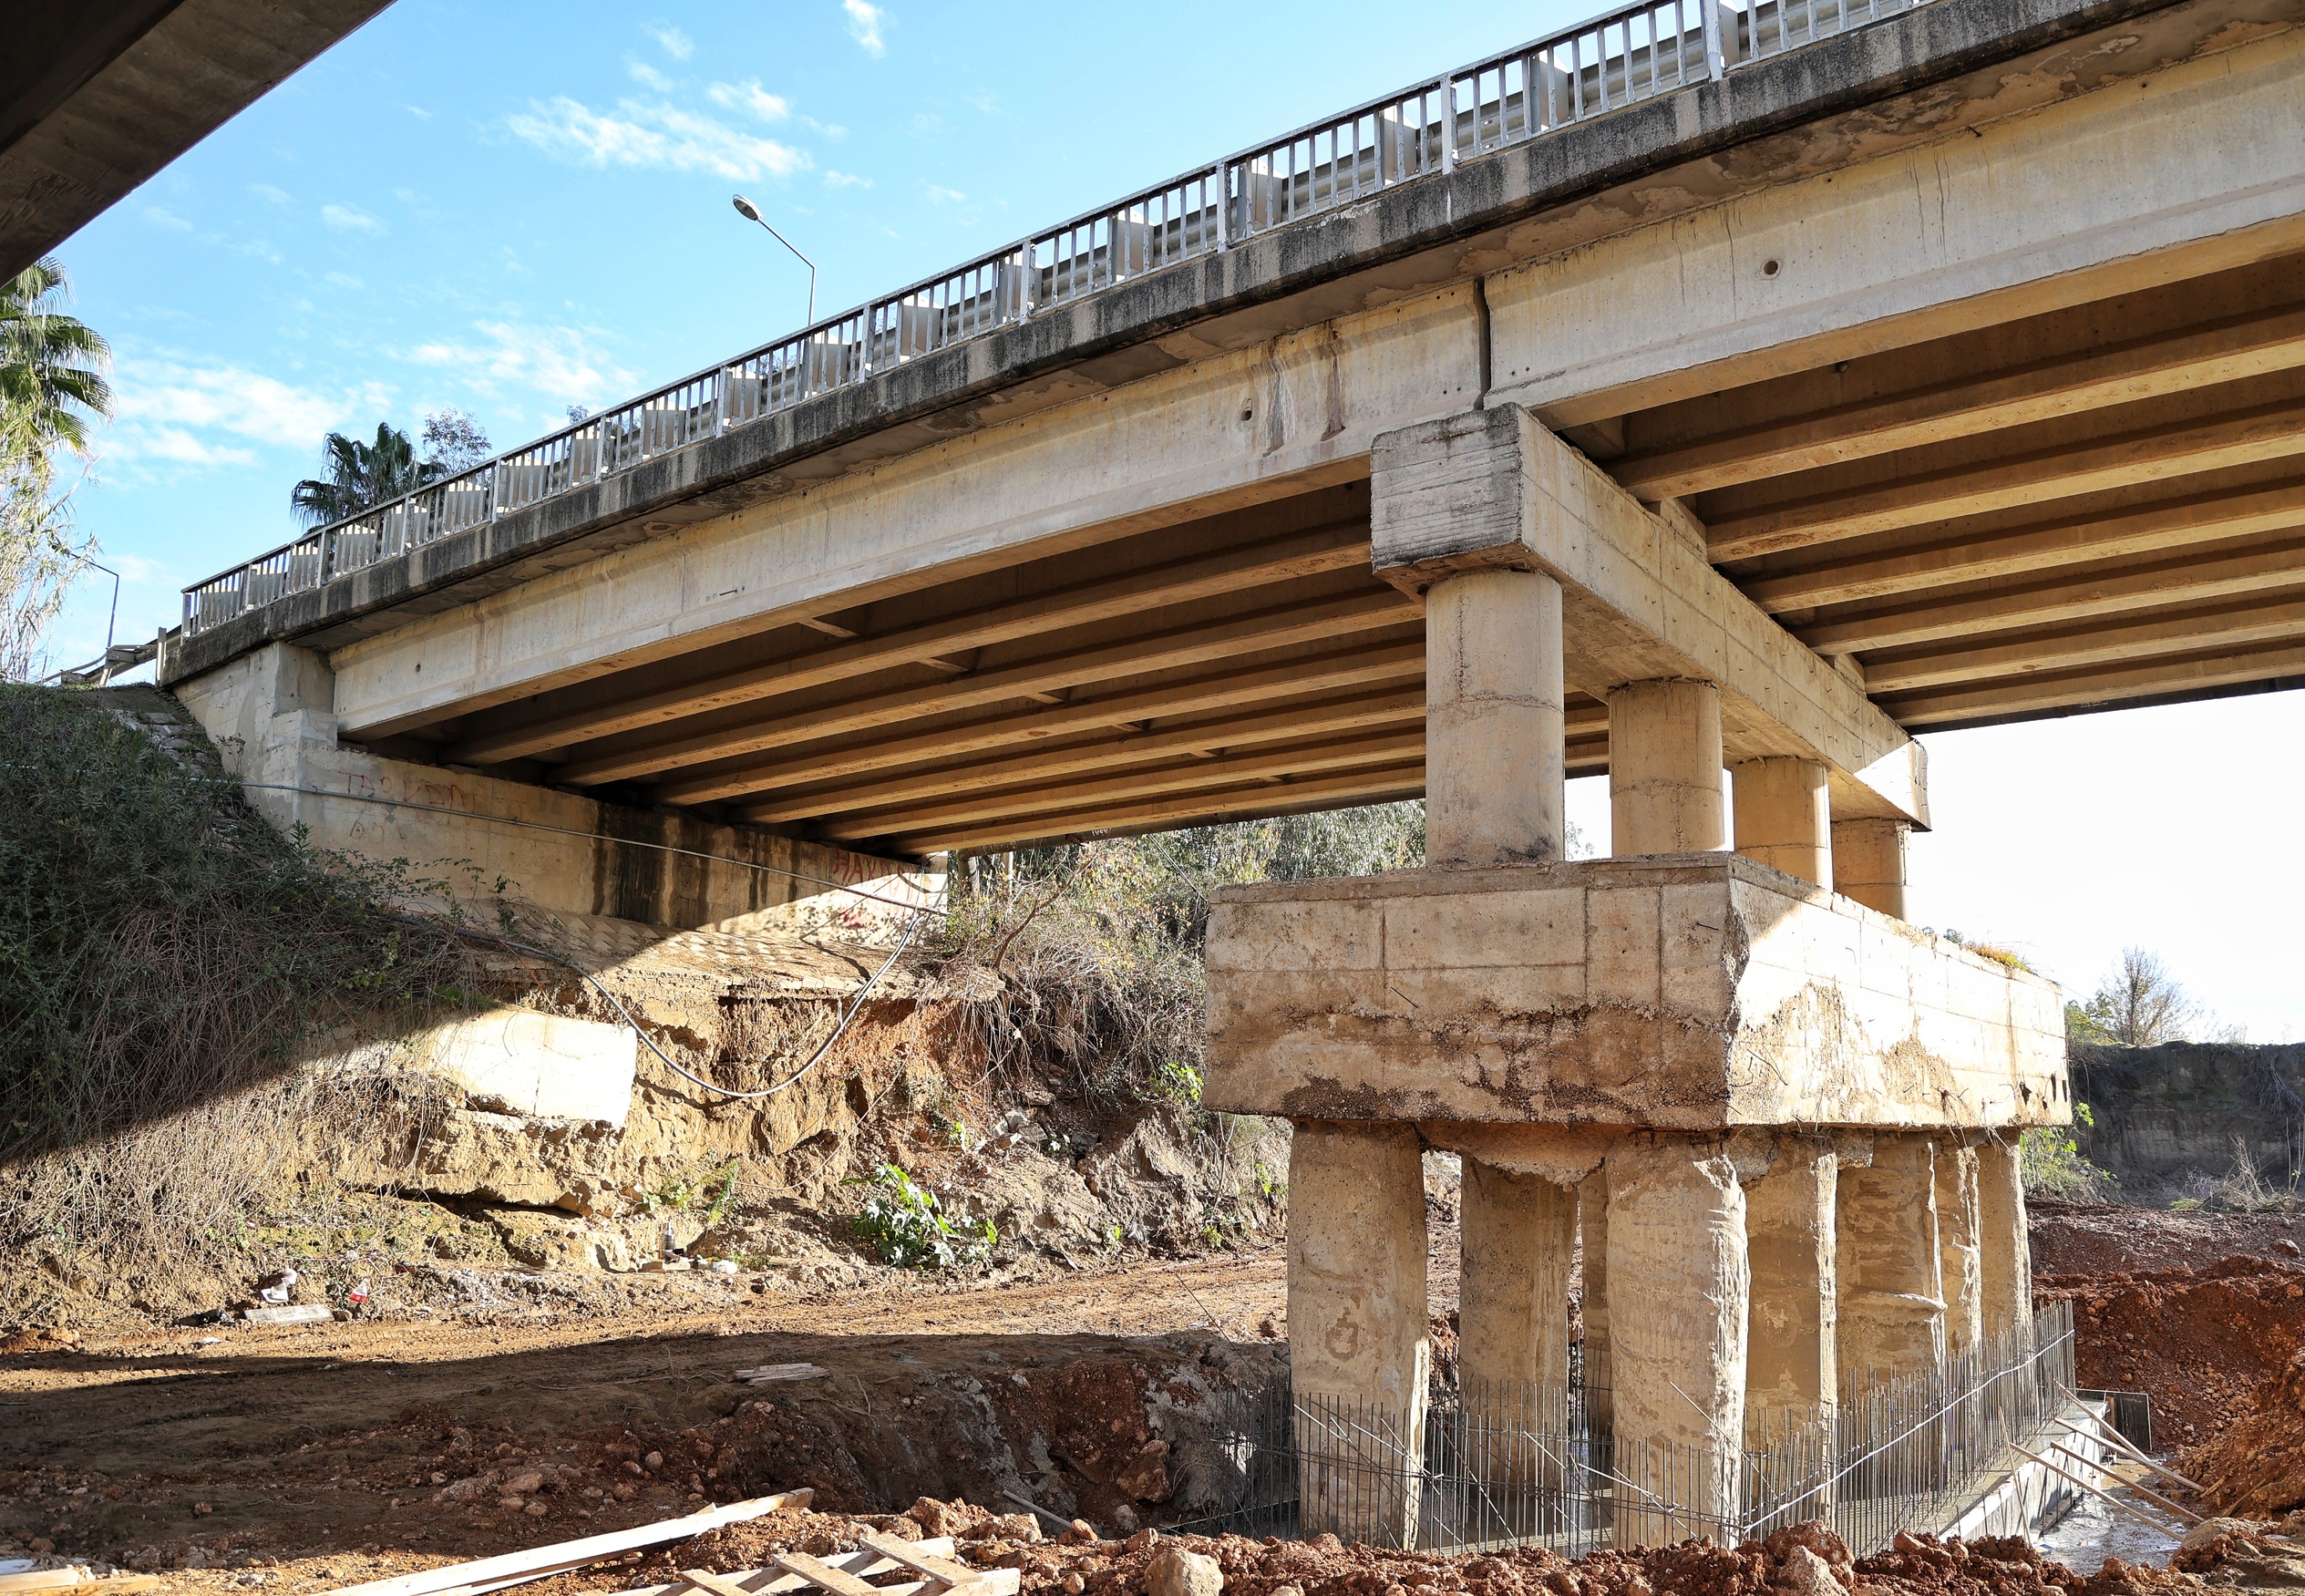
1745 387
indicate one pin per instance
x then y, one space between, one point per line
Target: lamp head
746 208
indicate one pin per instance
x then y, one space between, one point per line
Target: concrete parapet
1677 992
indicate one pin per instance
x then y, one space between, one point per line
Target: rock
2287 1248
1079 1533
1124 1520
1803 1573
1174 1572
526 1483
1143 1539
2208 1530
1147 1475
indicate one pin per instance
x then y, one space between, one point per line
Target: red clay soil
1323 1565
2198 1342
2256 1468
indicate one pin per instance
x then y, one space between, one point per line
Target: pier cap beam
1492 489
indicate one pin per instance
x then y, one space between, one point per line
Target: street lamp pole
751 213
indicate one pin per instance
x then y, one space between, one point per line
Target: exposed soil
2256 1468
2079 1237
2198 1342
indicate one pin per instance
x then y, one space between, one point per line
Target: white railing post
1449 118
1716 60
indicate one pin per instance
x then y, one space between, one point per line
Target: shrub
2050 1160
164 956
906 1225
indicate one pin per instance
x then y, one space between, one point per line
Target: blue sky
512 207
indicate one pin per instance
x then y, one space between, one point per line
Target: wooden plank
719 1584
1176 645
2142 369
925 1562
1340 547
775 1582
2263 432
839 1581
1983 555
515 1567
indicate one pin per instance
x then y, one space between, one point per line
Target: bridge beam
1492 489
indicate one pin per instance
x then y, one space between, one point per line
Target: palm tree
360 475
51 365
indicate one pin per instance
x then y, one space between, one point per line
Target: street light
751 213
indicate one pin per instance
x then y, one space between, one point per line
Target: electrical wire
815 1058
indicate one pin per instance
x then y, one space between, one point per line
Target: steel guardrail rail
1616 59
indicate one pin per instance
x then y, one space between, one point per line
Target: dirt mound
2256 1468
2081 1238
1805 1560
2198 1342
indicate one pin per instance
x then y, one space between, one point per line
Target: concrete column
1783 817
1519 1235
1664 767
1868 863
1592 1241
1492 702
1958 1265
1789 1230
1892 1306
2004 1253
1678 1287
1360 1356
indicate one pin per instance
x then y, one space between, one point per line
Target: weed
2050 1160
1177 1083
907 1225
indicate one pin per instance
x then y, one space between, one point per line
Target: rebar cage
1502 1465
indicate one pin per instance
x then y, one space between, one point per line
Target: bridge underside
1991 393
2098 505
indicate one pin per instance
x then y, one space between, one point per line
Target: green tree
360 475
52 366
2140 1003
52 385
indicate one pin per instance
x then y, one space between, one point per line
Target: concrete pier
1790 1226
1886 1263
1959 1265
1359 1333
1785 815
1679 1285
1868 863
1664 767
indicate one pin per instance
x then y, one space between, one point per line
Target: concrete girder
1494 488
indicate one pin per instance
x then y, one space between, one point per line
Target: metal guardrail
1614 60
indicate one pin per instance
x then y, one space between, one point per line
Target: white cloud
845 179
558 362
677 44
350 219
267 193
160 216
182 409
936 195
749 97
646 76
418 112
345 279
652 136
864 25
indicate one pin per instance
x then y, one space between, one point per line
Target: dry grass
165 958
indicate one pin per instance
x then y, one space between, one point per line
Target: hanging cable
815 1058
